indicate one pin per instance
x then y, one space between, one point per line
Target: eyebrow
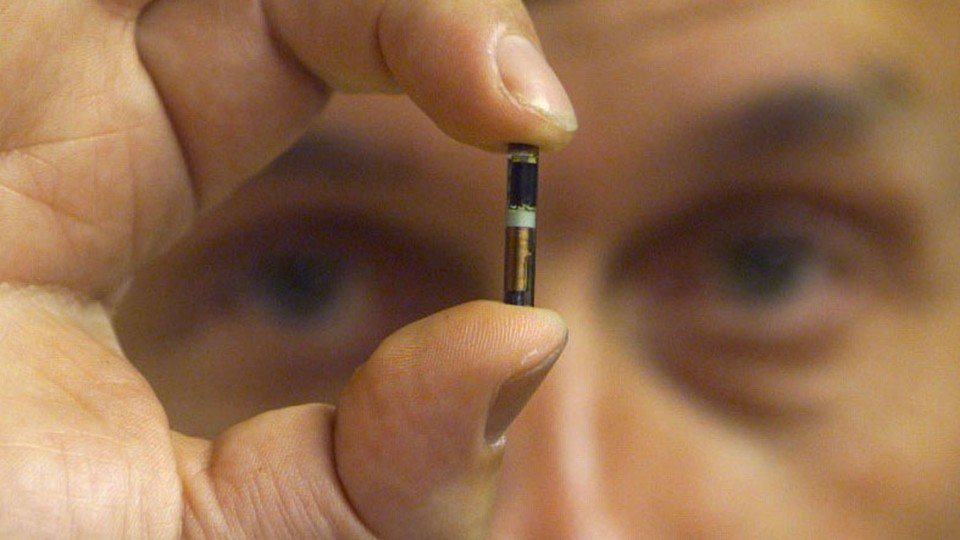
803 113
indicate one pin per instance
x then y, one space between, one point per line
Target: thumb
419 430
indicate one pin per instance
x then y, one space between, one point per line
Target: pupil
299 287
767 269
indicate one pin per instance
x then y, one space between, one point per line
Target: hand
118 123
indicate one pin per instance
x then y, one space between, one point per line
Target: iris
767 269
299 287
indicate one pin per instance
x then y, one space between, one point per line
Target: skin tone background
699 396
751 239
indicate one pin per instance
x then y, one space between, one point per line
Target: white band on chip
521 217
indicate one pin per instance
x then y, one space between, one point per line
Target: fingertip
530 81
552 321
419 427
514 393
478 72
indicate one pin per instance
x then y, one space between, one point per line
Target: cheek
667 463
631 445
886 453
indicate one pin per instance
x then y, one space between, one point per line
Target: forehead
652 79
651 73
630 23
683 51
718 50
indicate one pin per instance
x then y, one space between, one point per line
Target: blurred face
753 239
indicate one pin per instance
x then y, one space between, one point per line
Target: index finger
474 66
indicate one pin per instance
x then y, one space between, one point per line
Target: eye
765 270
300 276
760 275
279 309
743 303
299 288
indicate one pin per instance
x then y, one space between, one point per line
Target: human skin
121 123
814 396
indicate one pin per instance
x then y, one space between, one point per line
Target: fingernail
513 394
532 82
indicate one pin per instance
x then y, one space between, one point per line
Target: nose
606 449
550 485
567 444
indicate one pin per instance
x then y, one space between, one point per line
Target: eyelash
741 303
760 275
332 282
298 288
294 287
